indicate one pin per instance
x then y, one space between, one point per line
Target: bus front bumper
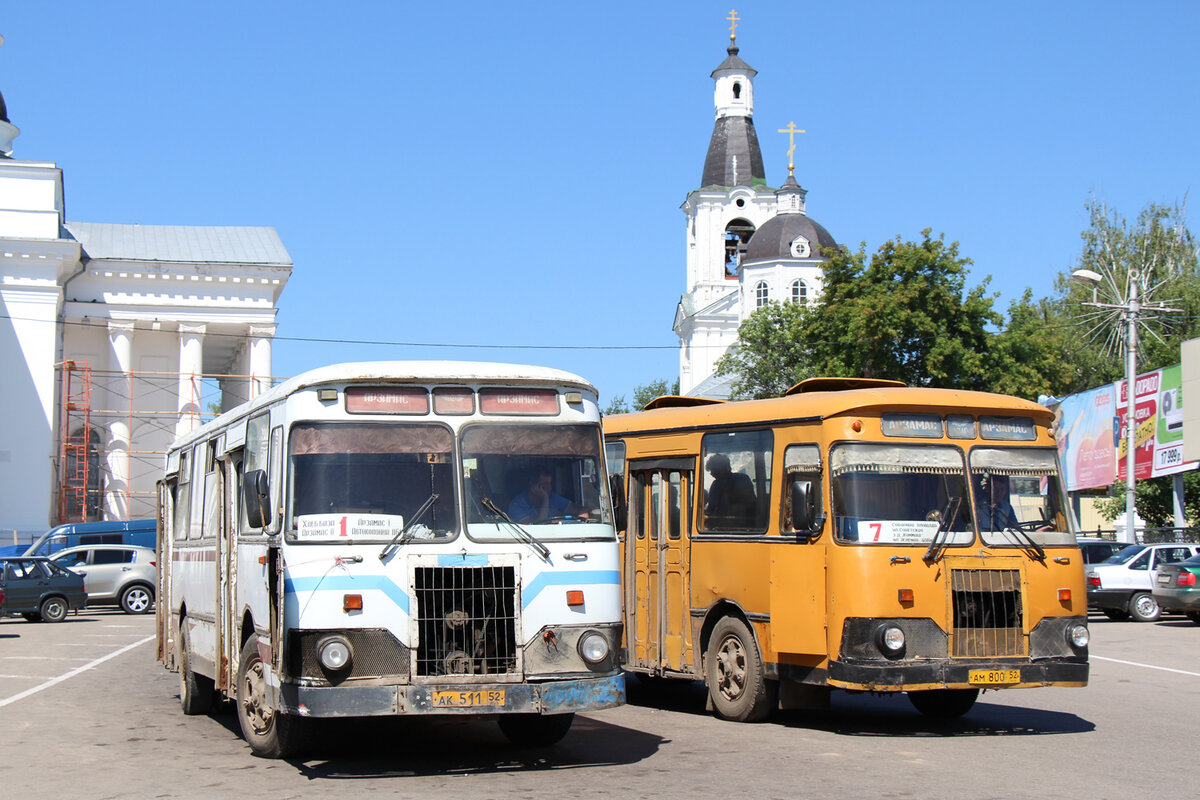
945 674
549 697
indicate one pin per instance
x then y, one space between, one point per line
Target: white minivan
1121 586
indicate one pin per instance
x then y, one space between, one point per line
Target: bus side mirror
804 506
257 492
616 488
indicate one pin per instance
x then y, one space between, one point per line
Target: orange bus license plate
449 698
993 677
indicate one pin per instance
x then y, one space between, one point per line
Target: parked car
1177 587
114 574
39 590
1096 550
1121 586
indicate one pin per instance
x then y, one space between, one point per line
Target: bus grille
467 620
987 613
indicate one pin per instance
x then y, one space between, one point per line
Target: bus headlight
593 647
334 653
1078 636
890 640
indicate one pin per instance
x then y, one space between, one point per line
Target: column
117 400
191 367
260 359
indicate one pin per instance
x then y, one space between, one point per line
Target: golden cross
733 21
791 130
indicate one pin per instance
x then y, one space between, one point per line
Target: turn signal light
1064 595
352 602
575 597
905 595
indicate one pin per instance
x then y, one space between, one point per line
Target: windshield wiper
1039 553
522 534
402 536
949 512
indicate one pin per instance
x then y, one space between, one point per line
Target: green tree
905 314
1155 500
641 396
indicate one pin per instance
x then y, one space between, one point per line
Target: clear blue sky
511 174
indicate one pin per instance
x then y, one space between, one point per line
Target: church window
762 294
799 292
737 234
737 91
800 248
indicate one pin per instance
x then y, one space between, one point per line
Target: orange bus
854 534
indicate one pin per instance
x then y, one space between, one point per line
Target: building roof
190 244
733 65
733 137
774 239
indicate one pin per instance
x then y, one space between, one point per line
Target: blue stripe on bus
603 577
349 583
463 560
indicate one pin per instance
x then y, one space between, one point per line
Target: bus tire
733 670
944 703
53 609
535 730
269 732
1143 607
196 692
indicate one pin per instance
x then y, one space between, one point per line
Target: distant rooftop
181 243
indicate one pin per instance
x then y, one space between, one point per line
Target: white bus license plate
450 698
993 677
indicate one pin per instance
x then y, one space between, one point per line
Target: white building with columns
747 243
113 340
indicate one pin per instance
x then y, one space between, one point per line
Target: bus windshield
1018 496
365 481
900 494
545 478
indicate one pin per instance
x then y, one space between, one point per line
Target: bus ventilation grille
987 613
467 620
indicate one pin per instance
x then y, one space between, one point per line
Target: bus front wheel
535 730
733 670
269 732
195 691
944 703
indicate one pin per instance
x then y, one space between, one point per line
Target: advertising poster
1084 431
1158 413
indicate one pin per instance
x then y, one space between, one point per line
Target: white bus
394 538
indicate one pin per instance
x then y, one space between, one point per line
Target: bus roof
436 372
819 405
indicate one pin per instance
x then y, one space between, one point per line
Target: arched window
737 91
762 294
799 292
737 234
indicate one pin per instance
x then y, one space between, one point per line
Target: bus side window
802 468
737 481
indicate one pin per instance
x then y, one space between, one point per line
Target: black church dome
774 239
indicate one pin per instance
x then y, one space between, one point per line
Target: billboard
1091 433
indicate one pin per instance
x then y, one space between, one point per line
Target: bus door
163 548
658 551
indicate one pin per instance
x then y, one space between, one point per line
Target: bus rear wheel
269 732
944 703
535 730
733 670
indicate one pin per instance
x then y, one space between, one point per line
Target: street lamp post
1129 311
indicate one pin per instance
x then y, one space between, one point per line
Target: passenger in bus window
539 502
731 501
